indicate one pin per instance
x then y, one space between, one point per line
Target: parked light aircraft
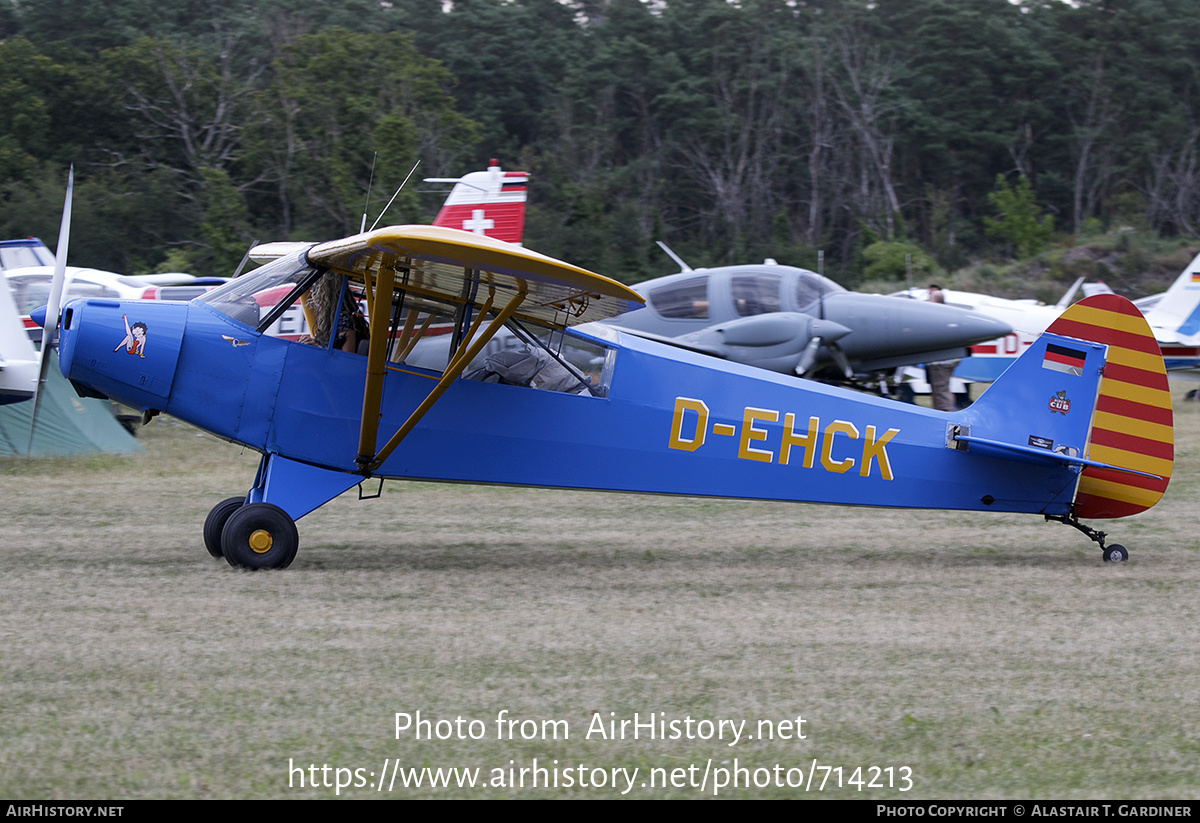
28 251
1173 316
604 410
28 267
795 321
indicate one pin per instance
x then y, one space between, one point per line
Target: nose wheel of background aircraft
214 524
259 536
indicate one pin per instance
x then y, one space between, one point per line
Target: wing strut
368 458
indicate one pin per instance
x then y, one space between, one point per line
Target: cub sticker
1059 404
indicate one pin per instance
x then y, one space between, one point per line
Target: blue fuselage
672 421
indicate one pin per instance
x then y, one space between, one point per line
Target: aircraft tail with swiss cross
1117 430
488 202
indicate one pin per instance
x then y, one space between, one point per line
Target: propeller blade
809 357
842 361
825 333
50 324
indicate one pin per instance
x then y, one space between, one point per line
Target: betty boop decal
135 338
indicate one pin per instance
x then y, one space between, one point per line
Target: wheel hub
260 541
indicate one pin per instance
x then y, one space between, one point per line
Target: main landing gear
251 535
1116 553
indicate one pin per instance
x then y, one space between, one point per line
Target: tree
338 100
1020 221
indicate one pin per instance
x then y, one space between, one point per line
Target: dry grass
996 656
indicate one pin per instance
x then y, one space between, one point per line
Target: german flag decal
1132 425
1064 359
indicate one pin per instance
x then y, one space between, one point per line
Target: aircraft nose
126 350
978 327
899 325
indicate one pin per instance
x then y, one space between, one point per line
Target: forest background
1004 146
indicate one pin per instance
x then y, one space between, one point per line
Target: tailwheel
1115 554
214 524
260 536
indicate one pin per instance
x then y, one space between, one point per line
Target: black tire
259 536
1115 554
214 524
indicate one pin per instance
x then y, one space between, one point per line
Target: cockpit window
682 299
755 293
810 286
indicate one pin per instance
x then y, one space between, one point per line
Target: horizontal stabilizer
1039 455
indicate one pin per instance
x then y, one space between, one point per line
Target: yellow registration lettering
750 433
791 438
683 405
831 465
877 449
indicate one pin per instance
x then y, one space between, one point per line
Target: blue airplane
1079 428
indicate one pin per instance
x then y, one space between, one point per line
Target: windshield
810 286
22 253
250 297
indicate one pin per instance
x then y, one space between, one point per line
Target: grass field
992 656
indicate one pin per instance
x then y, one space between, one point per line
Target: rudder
1132 424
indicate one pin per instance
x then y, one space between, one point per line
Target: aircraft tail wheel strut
1115 553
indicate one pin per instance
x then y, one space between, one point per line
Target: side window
554 362
755 293
686 299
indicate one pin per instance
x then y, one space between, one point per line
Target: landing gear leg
1115 553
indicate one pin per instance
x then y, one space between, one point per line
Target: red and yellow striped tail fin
1132 424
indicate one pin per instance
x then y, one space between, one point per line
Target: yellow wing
462 267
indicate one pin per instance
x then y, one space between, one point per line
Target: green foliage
224 227
887 260
1020 222
336 99
734 131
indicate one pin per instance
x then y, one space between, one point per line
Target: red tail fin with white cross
488 202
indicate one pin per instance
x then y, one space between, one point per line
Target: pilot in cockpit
322 301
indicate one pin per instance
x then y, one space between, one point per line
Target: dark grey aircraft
796 321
